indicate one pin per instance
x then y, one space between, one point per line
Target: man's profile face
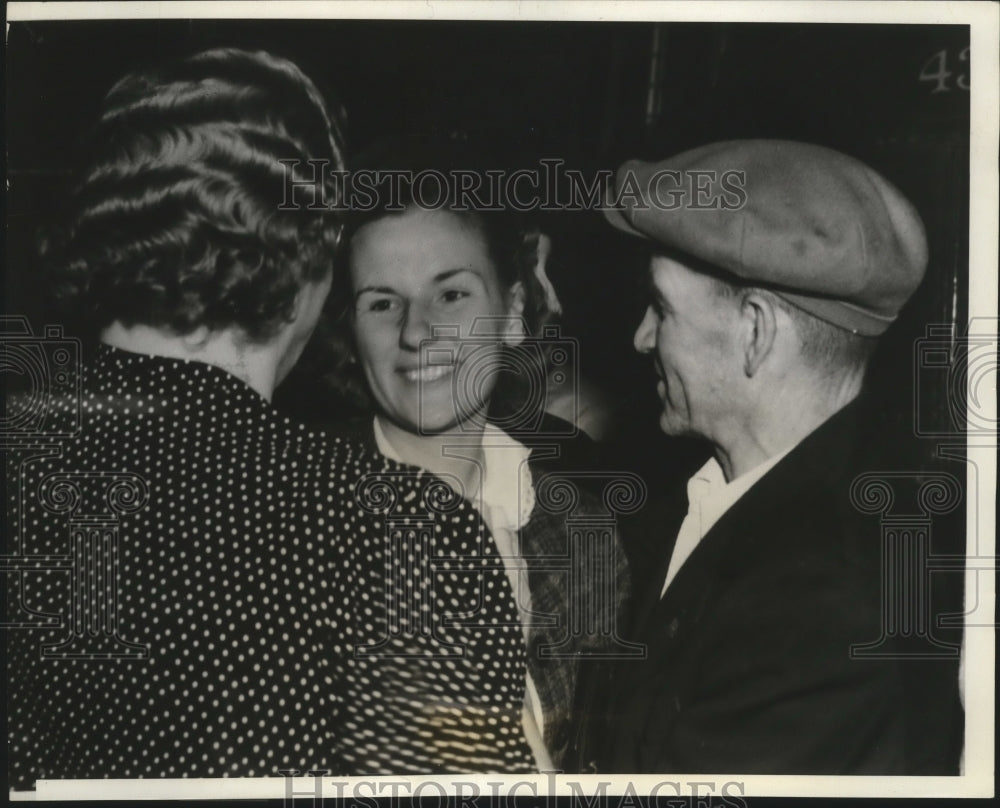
689 329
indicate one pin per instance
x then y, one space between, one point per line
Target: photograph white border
984 19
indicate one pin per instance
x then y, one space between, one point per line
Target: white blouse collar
507 490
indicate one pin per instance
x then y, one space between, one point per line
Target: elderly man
775 268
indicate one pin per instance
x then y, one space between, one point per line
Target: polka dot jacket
203 588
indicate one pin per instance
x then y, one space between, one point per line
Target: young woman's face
430 318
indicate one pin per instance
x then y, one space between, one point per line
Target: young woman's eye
453 295
378 305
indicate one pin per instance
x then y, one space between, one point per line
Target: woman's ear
196 340
514 330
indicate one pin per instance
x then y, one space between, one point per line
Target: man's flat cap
820 228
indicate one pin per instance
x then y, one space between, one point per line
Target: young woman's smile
430 315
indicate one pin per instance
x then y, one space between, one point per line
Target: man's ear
759 330
514 331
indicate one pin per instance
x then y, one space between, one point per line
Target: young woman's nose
414 328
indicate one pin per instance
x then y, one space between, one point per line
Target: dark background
592 94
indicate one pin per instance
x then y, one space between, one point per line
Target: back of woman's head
196 206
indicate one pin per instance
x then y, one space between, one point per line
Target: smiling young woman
435 303
430 317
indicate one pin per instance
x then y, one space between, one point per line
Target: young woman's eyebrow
441 277
450 273
383 290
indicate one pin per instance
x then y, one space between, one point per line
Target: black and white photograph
476 401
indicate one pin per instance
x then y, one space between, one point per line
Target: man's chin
671 425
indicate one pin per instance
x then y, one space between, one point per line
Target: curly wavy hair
180 218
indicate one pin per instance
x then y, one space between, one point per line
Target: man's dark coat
750 666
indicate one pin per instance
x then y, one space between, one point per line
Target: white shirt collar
709 497
506 492
708 486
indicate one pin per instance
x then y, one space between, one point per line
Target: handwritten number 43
936 70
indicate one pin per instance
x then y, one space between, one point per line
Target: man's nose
644 339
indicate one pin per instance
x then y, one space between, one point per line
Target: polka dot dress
272 616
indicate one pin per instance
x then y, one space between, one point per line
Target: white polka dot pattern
251 575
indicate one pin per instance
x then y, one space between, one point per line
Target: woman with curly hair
227 572
181 226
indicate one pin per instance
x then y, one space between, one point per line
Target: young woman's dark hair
439 174
173 222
